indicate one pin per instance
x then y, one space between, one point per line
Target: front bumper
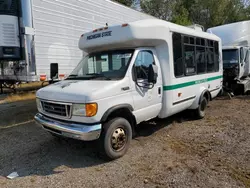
71 130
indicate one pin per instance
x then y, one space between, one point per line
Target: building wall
60 23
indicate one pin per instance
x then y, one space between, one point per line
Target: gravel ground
175 152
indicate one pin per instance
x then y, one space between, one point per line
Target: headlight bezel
85 110
39 105
80 107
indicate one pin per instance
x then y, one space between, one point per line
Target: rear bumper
71 130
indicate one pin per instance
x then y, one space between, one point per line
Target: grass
26 87
31 84
19 97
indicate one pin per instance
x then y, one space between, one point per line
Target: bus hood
79 91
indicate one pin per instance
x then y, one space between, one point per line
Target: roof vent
196 27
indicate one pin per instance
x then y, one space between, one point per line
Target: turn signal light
91 109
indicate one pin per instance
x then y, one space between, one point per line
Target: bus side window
200 59
210 56
217 56
177 53
190 60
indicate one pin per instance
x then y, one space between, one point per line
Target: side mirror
134 74
152 74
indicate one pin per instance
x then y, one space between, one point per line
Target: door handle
125 88
159 90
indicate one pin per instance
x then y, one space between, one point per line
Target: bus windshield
231 56
110 65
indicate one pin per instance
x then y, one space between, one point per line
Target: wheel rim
118 139
203 105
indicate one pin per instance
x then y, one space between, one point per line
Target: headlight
38 104
87 110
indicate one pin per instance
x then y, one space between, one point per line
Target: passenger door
147 97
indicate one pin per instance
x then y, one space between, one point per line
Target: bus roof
148 32
234 34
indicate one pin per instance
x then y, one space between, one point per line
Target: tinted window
189 59
203 42
200 59
186 40
210 60
191 40
198 41
177 49
142 62
217 56
194 55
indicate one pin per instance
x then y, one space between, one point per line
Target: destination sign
100 35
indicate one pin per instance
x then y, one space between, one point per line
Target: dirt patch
175 152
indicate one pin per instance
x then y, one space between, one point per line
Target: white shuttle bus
133 72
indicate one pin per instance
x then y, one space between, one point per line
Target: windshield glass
110 65
230 56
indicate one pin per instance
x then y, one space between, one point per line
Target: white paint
152 35
11 21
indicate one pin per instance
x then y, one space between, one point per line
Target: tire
115 138
200 111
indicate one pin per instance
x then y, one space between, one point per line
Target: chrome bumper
71 130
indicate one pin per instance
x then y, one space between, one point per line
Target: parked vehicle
132 73
39 38
236 60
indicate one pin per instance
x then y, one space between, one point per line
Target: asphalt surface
17 112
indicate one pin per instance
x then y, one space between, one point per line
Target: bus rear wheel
200 111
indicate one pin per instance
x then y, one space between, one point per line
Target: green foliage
208 13
159 8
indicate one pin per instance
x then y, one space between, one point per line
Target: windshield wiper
73 75
76 77
96 75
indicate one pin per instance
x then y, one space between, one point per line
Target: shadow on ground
29 150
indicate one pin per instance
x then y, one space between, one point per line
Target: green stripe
186 84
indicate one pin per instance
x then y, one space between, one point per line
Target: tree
207 13
161 8
180 15
214 12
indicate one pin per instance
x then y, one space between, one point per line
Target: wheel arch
122 110
206 94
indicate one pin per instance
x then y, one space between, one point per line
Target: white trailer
132 73
236 59
39 38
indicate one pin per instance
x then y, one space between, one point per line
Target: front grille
58 109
